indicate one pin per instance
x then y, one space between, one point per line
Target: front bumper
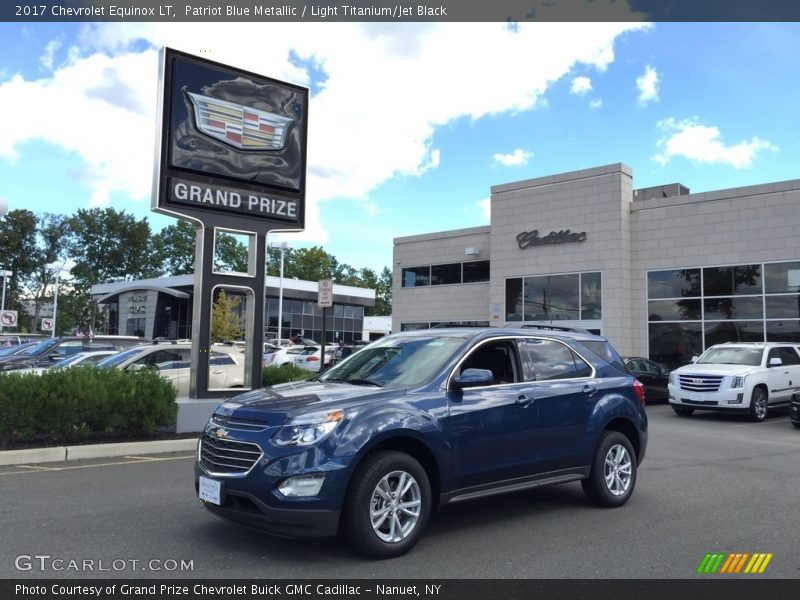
245 508
731 399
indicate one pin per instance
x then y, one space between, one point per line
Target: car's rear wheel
683 410
387 506
758 404
613 474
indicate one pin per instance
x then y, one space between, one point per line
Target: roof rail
550 327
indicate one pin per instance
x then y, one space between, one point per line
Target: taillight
639 389
312 359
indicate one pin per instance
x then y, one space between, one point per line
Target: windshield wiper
354 381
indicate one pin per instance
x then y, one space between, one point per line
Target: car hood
716 369
277 404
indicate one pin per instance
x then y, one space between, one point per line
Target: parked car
748 378
420 419
654 376
283 342
794 410
282 356
173 361
309 357
47 352
81 359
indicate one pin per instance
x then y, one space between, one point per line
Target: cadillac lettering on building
232 200
526 239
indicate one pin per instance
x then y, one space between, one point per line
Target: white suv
741 377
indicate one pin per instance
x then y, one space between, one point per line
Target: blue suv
416 420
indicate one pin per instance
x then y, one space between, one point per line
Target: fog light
302 485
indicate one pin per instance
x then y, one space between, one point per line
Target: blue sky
411 124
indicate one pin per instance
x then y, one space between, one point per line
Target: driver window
495 357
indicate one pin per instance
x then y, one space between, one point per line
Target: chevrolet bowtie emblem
221 433
239 126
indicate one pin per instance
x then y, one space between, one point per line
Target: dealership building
162 307
660 271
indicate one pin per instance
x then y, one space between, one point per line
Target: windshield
115 359
11 350
731 356
40 348
396 362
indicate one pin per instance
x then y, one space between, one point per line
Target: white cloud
517 157
596 103
386 89
50 50
485 206
580 86
647 84
701 143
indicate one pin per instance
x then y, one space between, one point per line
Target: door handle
590 389
217 372
524 401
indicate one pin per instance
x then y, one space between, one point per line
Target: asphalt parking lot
709 483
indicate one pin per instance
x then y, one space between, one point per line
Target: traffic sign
8 318
325 293
47 324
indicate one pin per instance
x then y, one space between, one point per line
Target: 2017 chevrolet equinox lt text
420 419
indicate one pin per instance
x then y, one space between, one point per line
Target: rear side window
544 360
605 351
220 358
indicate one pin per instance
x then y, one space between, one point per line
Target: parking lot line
138 460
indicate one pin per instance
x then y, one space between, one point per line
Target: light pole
6 274
283 246
55 300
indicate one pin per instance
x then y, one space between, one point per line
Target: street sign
47 324
325 293
8 318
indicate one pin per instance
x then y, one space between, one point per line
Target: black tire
683 411
759 401
381 469
613 474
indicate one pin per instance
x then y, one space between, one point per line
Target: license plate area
210 490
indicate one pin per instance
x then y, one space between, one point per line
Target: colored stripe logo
734 562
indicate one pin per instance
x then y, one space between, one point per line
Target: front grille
700 383
699 402
237 423
227 457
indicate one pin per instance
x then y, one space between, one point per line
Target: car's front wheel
387 505
758 404
613 474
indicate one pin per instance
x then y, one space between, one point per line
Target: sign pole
322 351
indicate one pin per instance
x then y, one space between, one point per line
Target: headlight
308 429
673 378
738 381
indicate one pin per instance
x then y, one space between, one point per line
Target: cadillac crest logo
239 126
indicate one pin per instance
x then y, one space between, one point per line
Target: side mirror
473 378
136 367
775 362
694 359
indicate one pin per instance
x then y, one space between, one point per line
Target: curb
67 453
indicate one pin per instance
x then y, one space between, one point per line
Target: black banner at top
510 11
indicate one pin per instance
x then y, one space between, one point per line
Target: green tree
230 254
49 254
175 245
17 238
225 322
111 245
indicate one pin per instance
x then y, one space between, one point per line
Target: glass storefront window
673 310
446 274
476 271
719 332
745 307
729 281
416 276
591 296
783 331
514 299
551 297
674 344
680 283
781 278
783 307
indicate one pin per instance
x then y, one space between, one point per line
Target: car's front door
492 427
